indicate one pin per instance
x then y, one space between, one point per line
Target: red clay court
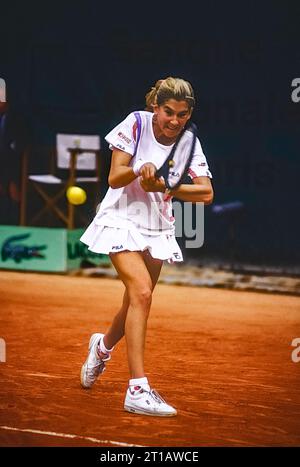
222 358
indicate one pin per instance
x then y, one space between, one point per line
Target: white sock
102 347
142 382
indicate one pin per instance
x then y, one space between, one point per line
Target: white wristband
137 166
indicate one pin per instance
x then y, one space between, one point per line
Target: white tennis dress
130 218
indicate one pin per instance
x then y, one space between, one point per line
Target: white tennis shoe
141 401
94 365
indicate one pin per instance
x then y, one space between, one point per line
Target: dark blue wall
84 67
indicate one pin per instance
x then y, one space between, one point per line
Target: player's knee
144 295
141 296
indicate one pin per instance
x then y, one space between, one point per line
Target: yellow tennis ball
76 195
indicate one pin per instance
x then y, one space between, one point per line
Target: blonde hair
170 88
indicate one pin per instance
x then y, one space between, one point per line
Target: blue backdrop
84 68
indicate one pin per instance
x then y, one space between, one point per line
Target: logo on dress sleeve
124 137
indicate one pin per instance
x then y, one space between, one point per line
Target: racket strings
177 163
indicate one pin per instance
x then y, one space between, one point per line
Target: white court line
66 435
45 375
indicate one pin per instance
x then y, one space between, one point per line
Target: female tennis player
135 227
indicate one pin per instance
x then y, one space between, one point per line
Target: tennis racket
176 166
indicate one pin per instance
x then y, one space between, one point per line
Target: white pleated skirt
105 240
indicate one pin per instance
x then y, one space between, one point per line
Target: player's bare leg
117 328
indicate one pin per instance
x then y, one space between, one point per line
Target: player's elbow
112 181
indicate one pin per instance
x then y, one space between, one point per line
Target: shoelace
154 394
157 396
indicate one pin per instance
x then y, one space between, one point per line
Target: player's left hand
158 184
